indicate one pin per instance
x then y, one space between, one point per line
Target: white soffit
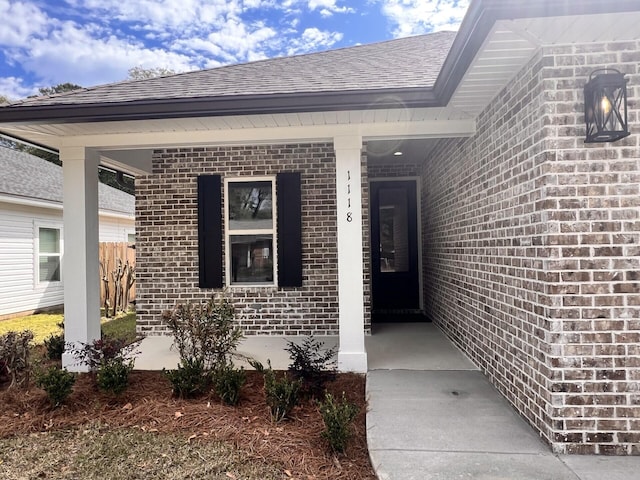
50 134
512 43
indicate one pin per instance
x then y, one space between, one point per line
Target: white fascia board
30 202
38 203
112 214
315 133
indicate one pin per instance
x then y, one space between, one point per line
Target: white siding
115 229
19 290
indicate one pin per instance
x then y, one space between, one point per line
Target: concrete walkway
443 420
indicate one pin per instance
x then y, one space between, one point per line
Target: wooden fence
117 276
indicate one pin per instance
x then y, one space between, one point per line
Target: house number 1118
349 212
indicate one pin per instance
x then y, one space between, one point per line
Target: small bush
190 378
337 417
58 383
15 361
312 364
103 350
227 382
113 375
282 394
205 332
55 346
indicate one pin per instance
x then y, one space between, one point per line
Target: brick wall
532 252
167 241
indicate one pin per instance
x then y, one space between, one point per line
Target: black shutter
210 231
289 231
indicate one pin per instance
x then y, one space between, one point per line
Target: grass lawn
45 324
92 452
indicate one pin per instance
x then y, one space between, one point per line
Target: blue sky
91 42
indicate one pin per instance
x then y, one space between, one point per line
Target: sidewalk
448 424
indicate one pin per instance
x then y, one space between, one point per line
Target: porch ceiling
512 43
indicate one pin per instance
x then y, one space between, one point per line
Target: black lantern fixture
605 106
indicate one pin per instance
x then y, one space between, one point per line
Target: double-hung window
250 236
262 237
49 254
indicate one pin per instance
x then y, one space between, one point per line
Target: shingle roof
31 177
401 63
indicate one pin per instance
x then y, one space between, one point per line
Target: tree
139 73
105 176
60 88
3 99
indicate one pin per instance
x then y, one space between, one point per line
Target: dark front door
394 247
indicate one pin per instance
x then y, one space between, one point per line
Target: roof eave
223 106
483 14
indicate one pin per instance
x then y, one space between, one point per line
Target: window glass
250 235
394 230
49 255
251 258
250 206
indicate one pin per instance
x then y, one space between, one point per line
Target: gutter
418 97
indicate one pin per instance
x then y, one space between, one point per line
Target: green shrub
58 383
15 360
103 350
190 378
55 346
205 332
337 417
113 375
312 364
227 382
282 394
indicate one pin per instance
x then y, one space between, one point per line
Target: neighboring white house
31 230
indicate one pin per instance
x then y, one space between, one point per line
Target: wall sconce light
605 106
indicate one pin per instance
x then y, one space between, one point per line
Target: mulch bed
295 443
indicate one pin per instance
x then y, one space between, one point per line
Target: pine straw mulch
295 443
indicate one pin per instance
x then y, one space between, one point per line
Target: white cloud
14 88
20 21
328 7
412 17
313 39
72 54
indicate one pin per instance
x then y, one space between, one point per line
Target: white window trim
272 231
37 225
127 232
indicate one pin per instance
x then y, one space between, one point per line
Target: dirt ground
295 444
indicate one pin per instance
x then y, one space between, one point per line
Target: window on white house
131 238
250 234
49 255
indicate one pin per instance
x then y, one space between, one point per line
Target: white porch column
80 268
351 355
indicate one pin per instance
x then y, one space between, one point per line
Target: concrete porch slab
422 465
156 352
598 467
413 346
446 411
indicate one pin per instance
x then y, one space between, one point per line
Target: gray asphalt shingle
31 177
400 63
